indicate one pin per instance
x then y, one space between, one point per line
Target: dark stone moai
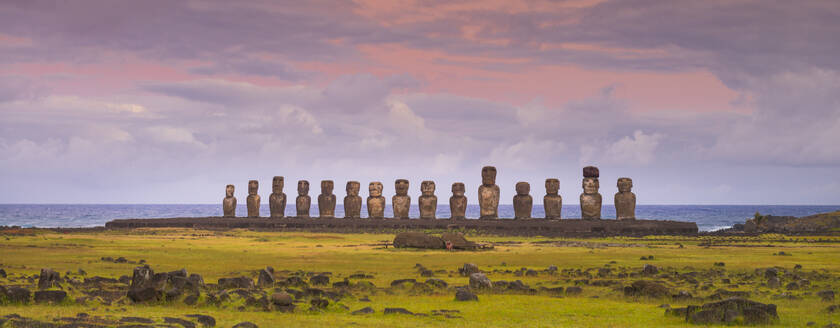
458 202
253 200
326 200
401 202
428 200
590 199
522 202
625 200
303 201
552 202
277 200
229 203
352 202
375 202
488 194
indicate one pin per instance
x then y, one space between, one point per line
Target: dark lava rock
399 282
418 240
204 320
437 283
319 303
682 296
144 294
574 290
826 295
468 269
553 290
721 294
281 299
646 288
245 324
774 283
479 280
136 320
397 311
2 273
733 310
792 286
196 280
320 280
181 322
770 273
48 279
518 286
465 295
236 282
50 296
365 310
17 295
427 273
266 279
832 308
191 299
650 269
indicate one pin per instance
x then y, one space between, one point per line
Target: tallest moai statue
488 194
590 199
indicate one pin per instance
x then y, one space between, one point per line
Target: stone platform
523 227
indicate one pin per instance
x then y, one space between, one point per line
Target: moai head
277 185
590 186
625 184
523 188
458 189
375 189
353 188
488 175
253 186
427 188
590 172
552 186
229 190
327 187
401 185
303 187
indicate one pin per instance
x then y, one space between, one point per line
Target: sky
700 102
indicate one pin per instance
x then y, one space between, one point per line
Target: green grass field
217 254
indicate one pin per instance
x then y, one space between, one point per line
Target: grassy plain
217 254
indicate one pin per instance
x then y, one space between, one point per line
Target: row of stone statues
488 199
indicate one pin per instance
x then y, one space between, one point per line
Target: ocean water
708 217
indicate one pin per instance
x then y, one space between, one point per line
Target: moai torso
303 201
229 203
401 202
625 200
458 202
375 202
428 200
552 202
590 199
352 202
326 200
253 200
277 200
522 202
488 194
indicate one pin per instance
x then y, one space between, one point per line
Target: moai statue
253 200
522 202
229 203
428 200
625 200
326 200
488 194
277 200
303 201
375 202
401 202
458 202
590 199
352 202
552 202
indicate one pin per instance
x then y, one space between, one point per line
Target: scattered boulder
774 283
50 296
437 283
2 273
826 295
319 303
245 324
646 288
468 269
771 273
465 295
650 269
732 310
281 299
236 282
178 321
320 279
478 281
418 240
265 279
204 320
18 295
400 282
136 320
574 290
364 310
48 279
397 311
